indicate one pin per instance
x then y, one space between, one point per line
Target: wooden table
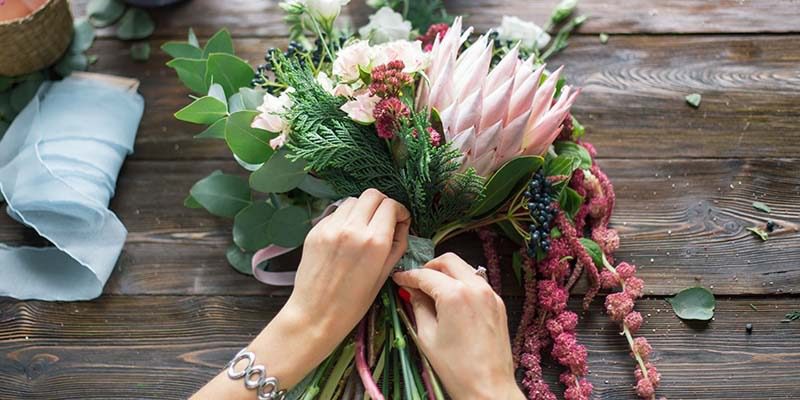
173 312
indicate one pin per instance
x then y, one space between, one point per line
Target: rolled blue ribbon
59 162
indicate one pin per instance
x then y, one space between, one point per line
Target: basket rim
26 18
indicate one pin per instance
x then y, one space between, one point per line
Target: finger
455 267
342 212
424 314
391 223
368 203
433 283
399 244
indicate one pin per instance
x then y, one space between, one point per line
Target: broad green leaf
205 110
229 71
289 226
250 226
192 38
239 260
566 147
570 201
248 143
191 72
510 232
419 252
23 93
696 303
252 98
694 99
594 251
563 165
82 37
278 174
5 83
318 188
761 206
504 181
182 50
104 12
235 103
135 24
221 194
71 62
215 131
6 111
578 130
221 42
190 202
140 51
216 91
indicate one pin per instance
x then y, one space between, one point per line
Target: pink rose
360 109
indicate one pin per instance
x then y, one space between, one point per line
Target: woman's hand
462 329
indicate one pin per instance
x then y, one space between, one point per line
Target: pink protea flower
634 287
389 79
618 305
435 31
552 297
387 114
633 321
494 115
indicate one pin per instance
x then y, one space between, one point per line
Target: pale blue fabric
59 163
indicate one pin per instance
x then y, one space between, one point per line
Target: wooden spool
35 41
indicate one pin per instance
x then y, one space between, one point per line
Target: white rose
384 26
271 116
360 109
529 35
410 53
350 58
338 90
325 10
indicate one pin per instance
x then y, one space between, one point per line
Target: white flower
339 90
384 26
271 116
360 109
325 10
410 53
350 58
529 35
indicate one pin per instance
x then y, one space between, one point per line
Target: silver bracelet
266 386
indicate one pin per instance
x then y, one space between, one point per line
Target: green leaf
603 38
570 201
3 128
229 71
221 194
190 202
248 143
182 50
694 99
419 252
516 266
6 111
504 181
23 93
695 303
135 24
760 206
289 226
104 12
510 232
191 72
250 226
219 43
192 38
140 51
82 37
594 251
218 93
563 165
252 98
205 110
215 131
763 235
566 147
239 260
5 83
71 62
318 188
578 130
235 103
92 58
278 174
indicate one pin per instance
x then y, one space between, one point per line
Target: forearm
288 348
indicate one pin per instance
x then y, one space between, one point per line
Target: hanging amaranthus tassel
489 241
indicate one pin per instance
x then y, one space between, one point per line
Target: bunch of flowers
469 132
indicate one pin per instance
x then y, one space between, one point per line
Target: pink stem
426 380
361 363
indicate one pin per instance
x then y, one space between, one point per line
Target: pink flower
434 31
387 114
388 80
608 239
567 321
271 117
634 287
339 90
410 53
642 347
645 389
608 280
618 305
361 108
569 353
625 270
577 389
633 321
350 59
435 136
552 297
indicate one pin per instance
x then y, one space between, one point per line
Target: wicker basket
35 41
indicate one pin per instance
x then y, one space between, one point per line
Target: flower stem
361 362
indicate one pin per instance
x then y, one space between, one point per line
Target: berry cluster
541 211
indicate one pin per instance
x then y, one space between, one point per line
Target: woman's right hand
462 329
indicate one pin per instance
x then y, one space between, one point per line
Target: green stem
335 377
379 369
313 388
400 343
437 389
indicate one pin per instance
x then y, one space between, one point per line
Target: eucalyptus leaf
135 24
594 251
761 206
182 50
252 98
570 148
104 12
504 182
318 188
23 93
229 71
192 38
279 174
140 51
695 303
693 99
236 104
248 143
205 110
216 91
289 226
215 131
71 62
191 72
221 42
221 194
250 226
82 37
190 202
240 260
418 253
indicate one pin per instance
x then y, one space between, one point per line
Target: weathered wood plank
632 101
153 347
265 18
681 214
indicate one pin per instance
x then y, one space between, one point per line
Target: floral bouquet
469 132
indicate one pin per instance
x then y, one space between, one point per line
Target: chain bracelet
266 387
